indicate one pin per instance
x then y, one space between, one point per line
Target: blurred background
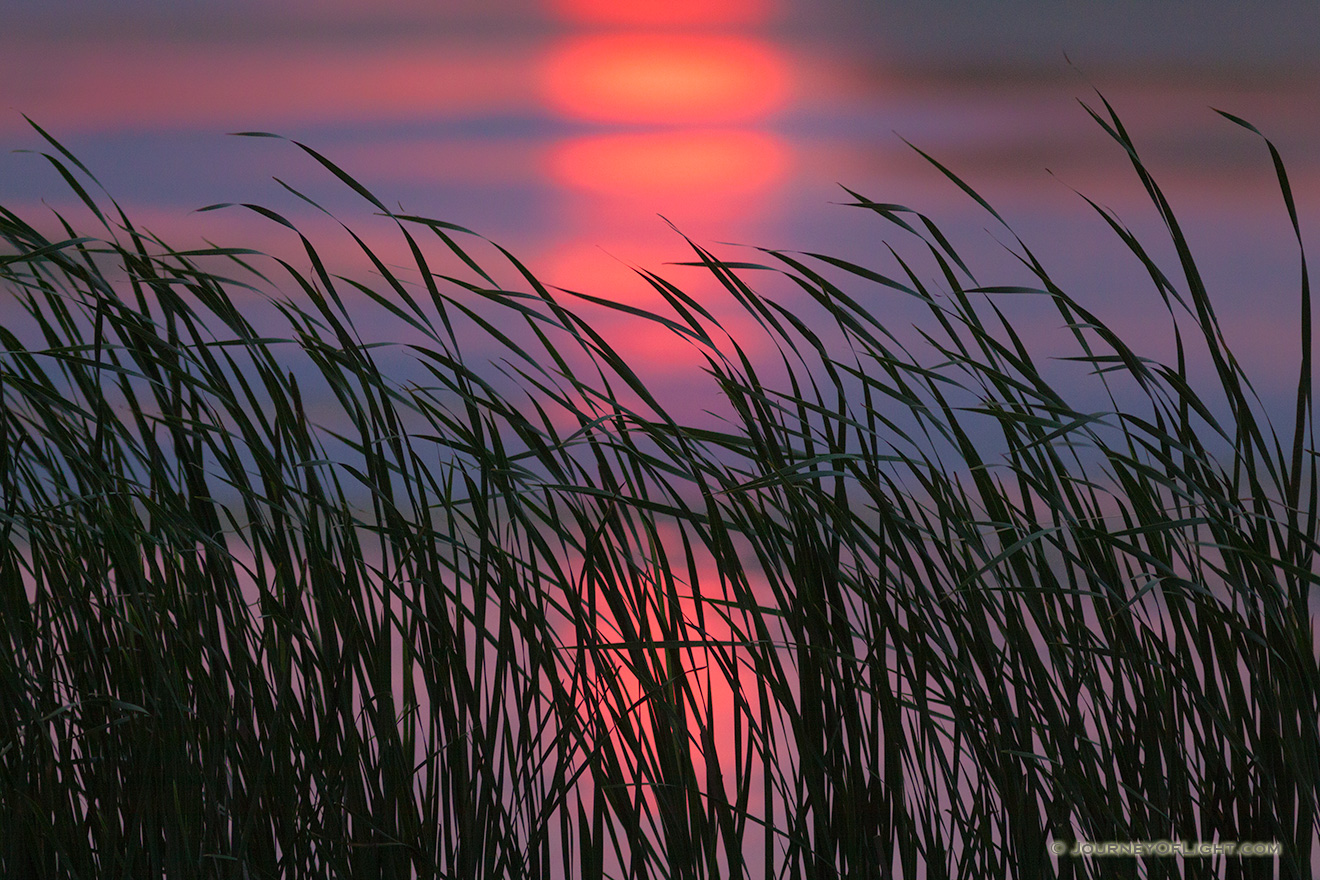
570 131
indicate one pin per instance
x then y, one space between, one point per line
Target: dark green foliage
270 610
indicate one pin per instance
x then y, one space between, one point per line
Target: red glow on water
680 642
664 12
658 167
609 273
614 272
665 79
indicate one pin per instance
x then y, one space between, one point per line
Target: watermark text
1189 849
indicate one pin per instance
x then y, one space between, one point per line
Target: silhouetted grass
517 616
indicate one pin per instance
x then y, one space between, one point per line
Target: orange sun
665 79
664 12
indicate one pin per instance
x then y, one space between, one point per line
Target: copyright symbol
1058 847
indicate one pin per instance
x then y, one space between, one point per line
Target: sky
583 133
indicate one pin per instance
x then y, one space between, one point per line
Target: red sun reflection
687 165
665 79
664 12
712 679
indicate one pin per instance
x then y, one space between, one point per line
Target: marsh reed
907 609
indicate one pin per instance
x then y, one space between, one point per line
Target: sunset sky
562 128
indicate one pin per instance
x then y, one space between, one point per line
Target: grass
270 610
